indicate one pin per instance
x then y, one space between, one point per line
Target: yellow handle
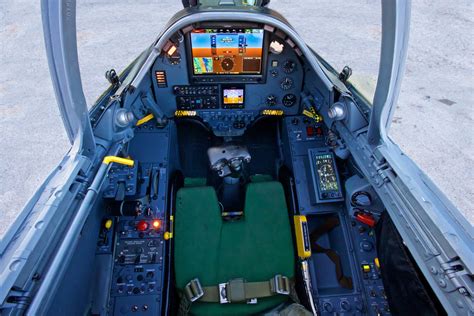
169 235
302 236
145 119
108 224
122 161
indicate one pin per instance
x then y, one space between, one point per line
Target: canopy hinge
453 276
17 299
383 171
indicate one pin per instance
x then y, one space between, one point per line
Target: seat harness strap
237 290
329 224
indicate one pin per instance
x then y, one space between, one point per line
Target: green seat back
255 248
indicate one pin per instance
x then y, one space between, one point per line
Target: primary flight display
227 51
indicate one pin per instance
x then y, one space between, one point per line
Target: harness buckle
223 299
232 291
193 290
280 284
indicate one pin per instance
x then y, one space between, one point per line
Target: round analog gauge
227 64
289 66
271 100
286 83
289 100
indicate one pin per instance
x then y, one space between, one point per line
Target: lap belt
237 290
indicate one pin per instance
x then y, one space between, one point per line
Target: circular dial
289 66
271 100
289 100
286 83
227 64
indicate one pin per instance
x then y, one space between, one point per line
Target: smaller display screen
326 173
233 96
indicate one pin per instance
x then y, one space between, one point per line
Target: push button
142 226
366 245
366 268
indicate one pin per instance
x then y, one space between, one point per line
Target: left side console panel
132 244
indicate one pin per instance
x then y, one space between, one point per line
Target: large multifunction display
227 51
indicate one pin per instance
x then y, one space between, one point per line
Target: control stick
228 159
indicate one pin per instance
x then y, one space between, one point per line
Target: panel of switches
138 265
196 97
366 252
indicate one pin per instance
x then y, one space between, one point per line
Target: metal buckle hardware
232 291
193 290
280 284
223 293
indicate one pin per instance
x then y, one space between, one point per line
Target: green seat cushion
255 248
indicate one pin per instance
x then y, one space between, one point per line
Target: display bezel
223 78
232 105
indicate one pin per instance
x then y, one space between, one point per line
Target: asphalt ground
432 123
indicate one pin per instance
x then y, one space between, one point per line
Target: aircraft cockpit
229 170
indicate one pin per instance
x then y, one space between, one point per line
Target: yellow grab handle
122 161
145 119
302 236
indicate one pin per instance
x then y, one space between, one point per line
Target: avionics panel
325 177
227 54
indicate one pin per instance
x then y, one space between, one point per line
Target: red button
142 226
310 131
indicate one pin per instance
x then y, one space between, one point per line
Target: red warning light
142 226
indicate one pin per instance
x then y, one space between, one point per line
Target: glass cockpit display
227 51
326 174
233 96
325 178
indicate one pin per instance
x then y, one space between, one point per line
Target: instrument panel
228 77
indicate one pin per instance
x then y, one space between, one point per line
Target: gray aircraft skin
174 118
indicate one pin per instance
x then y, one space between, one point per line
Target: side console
131 253
137 280
344 272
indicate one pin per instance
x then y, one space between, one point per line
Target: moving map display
227 51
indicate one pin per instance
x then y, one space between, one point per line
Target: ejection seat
233 267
